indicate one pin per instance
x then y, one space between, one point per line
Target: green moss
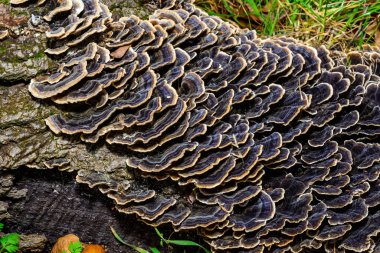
17 12
15 60
39 55
3 49
6 2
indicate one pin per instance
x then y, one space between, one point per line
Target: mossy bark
26 142
22 54
24 137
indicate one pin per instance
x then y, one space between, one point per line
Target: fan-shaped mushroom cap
151 210
17 2
64 5
57 50
203 217
54 78
41 90
4 34
131 196
90 88
64 29
144 135
175 215
255 216
60 162
86 55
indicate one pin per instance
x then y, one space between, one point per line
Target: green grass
335 23
163 243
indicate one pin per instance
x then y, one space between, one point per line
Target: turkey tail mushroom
4 34
259 145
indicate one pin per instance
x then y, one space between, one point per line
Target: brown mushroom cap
63 243
93 248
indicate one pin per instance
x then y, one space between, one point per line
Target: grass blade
180 242
187 243
138 249
161 235
155 250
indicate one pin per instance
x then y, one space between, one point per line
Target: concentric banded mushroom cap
259 145
4 34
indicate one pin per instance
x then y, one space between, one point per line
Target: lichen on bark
24 137
25 141
22 52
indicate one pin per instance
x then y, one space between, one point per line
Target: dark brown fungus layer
259 145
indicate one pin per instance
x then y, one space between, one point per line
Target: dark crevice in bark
55 205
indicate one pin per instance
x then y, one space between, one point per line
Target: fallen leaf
377 38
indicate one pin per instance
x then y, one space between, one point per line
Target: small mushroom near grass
71 244
93 248
62 244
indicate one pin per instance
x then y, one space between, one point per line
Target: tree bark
47 201
24 138
26 141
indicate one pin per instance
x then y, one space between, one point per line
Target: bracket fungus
4 34
267 145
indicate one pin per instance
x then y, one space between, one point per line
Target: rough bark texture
44 201
24 137
54 205
22 54
26 141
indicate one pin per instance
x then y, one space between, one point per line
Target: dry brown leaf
371 27
377 38
120 52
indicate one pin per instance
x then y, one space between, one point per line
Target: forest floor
337 24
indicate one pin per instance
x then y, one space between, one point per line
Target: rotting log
44 201
26 141
51 204
256 144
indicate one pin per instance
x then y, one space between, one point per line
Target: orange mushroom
62 244
93 248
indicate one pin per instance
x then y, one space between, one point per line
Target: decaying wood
42 201
51 204
26 141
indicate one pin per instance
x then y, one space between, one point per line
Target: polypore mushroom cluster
271 145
